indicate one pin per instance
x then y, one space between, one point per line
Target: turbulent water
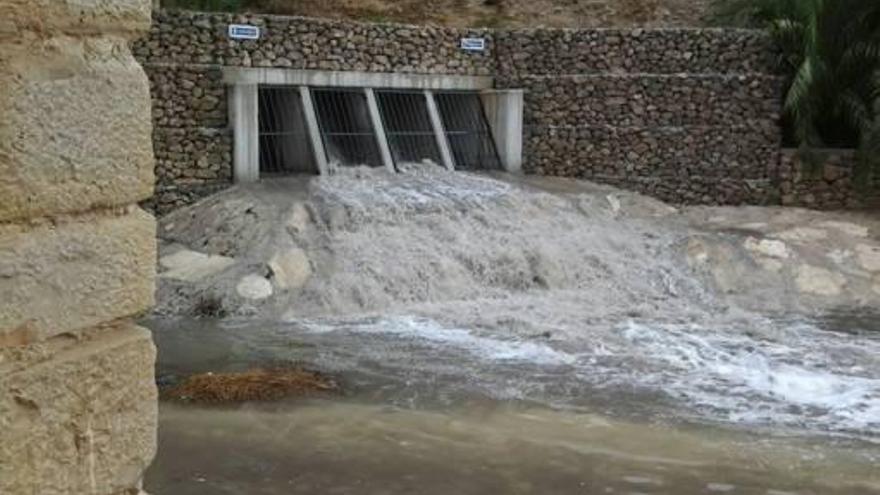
430 290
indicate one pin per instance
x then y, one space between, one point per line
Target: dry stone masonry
77 394
824 181
686 115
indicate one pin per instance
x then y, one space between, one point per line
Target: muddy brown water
426 417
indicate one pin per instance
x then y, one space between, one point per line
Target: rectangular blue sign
244 32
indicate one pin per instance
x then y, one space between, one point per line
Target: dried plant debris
249 386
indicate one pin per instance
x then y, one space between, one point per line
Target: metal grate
284 138
467 130
408 127
346 129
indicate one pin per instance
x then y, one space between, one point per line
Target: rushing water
430 408
522 336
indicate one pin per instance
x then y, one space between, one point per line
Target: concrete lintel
439 131
243 108
353 79
504 112
314 131
379 128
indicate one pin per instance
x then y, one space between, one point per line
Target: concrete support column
439 131
314 131
244 116
504 112
376 118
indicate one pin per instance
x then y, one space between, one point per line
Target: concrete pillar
314 131
78 408
244 116
439 131
504 112
379 128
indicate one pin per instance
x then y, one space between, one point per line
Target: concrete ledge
61 277
81 421
74 17
353 79
75 132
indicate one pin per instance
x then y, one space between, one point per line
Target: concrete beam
379 129
243 114
439 131
504 112
318 150
352 79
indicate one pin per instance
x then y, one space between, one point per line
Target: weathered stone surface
60 277
76 16
75 132
78 417
254 287
290 268
819 281
868 257
191 266
767 247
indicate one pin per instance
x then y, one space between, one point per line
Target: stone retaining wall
77 256
688 115
826 184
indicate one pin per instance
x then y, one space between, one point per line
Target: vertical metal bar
439 132
244 115
314 131
379 128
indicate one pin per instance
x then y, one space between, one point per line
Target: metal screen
284 140
408 127
345 125
467 131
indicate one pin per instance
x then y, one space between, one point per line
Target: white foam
432 331
758 380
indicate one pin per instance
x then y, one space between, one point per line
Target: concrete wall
687 115
77 256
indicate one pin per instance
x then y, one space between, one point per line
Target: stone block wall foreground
77 393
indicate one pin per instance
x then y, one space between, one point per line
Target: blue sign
244 32
473 44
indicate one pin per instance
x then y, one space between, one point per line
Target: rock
61 277
254 287
868 257
803 234
298 219
290 269
767 247
80 418
75 132
192 266
848 228
819 281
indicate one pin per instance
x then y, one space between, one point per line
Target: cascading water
429 288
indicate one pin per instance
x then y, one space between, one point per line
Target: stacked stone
824 182
686 115
307 43
185 51
77 256
633 51
694 110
